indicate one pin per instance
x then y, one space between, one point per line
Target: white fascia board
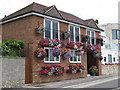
38 14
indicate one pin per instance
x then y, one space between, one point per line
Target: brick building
21 26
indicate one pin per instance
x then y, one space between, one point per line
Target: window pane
46 59
88 33
57 58
79 58
104 59
117 33
47 29
71 59
51 56
76 34
109 58
75 58
92 37
55 30
119 46
113 34
114 59
72 34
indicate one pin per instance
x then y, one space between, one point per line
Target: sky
106 11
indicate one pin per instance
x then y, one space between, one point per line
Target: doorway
91 61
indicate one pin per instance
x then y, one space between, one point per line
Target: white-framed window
109 58
74 58
75 33
51 29
49 58
92 39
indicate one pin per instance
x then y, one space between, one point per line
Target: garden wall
13 71
110 69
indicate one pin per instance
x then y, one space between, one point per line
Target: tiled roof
51 11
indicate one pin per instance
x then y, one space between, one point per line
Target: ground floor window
113 59
104 59
49 57
109 58
74 58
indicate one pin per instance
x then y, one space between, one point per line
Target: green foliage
12 48
96 21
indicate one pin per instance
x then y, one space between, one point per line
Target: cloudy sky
106 11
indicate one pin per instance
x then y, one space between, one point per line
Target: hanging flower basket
66 54
40 53
85 38
89 48
56 51
100 57
96 54
66 34
99 41
40 29
79 51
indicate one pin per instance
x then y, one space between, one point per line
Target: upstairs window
51 29
91 39
115 34
75 33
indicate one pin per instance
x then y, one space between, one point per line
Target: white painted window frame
52 28
49 57
73 58
90 36
74 32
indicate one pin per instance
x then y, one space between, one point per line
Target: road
101 83
109 84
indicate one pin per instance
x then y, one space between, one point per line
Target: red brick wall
24 29
98 61
19 29
36 63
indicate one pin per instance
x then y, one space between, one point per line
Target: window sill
51 62
74 62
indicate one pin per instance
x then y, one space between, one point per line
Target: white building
110 48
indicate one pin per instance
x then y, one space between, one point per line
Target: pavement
75 83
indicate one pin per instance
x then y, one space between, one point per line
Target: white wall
105 53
